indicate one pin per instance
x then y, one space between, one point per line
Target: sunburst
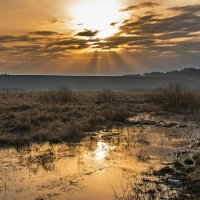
98 15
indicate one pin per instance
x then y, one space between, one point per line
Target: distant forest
189 77
186 72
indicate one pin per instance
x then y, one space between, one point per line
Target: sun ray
112 64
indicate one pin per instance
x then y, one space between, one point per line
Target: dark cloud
43 47
117 41
44 33
57 21
22 38
6 38
72 43
87 33
187 9
152 32
139 5
114 23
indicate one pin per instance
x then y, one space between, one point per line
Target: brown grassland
62 115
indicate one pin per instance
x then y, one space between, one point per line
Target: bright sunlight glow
97 15
101 150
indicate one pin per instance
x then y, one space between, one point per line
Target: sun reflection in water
102 150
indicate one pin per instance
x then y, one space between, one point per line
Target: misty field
133 137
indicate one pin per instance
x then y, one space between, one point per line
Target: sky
98 37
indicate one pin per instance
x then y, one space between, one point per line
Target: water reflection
73 171
102 150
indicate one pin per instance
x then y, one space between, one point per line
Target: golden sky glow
97 15
98 36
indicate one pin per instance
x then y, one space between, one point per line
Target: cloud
159 33
87 33
114 23
149 32
44 33
156 38
10 38
71 43
39 45
139 6
187 9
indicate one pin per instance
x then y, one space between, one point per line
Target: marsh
60 144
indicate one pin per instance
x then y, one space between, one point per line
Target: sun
97 15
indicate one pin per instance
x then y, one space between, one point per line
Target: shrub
60 94
174 98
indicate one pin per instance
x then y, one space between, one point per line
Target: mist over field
190 78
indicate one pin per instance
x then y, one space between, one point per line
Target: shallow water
96 168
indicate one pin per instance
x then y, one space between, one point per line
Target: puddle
97 167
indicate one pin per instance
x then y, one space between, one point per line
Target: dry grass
175 98
61 114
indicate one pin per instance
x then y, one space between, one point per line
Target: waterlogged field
105 165
105 145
